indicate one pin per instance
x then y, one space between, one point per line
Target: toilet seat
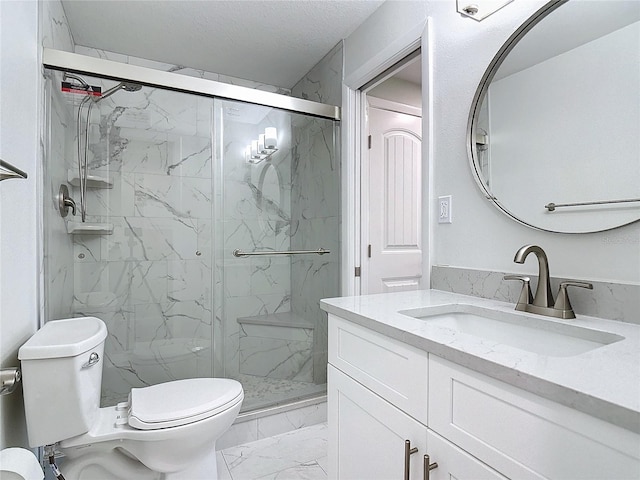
181 402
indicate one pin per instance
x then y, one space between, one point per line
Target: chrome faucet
542 303
543 296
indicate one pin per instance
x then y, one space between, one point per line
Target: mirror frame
476 104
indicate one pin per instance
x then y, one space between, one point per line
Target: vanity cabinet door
367 434
456 463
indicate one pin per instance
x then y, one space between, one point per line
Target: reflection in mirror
557 119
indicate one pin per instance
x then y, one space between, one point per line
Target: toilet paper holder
9 379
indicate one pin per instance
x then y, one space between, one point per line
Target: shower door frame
81 64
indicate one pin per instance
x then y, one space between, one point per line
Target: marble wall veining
151 279
181 69
55 141
316 186
54 26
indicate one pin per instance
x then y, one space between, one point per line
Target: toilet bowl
164 431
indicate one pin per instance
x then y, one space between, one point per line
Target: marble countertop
603 382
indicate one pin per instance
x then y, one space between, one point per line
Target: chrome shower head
126 86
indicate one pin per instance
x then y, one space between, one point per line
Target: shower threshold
262 392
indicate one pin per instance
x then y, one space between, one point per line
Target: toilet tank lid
64 338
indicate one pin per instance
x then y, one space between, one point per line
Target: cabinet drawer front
522 435
392 369
454 463
367 434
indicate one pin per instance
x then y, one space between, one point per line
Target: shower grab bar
8 171
552 206
321 251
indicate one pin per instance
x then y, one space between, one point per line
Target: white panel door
367 434
393 257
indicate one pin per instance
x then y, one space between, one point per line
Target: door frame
353 138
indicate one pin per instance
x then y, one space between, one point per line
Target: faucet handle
525 294
563 303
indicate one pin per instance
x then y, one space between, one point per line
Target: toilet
163 432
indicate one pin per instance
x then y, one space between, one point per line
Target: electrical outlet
444 209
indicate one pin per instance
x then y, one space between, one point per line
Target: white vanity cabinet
368 441
382 392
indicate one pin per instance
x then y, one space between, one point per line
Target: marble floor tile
223 470
306 471
291 455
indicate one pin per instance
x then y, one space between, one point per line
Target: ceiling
269 41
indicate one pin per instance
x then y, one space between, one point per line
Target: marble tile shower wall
181 69
58 257
316 188
151 280
55 138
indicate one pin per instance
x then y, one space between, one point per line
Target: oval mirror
554 129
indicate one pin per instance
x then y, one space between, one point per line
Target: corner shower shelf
89 228
93 181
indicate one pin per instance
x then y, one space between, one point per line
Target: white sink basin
532 333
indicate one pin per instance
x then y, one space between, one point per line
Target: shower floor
260 392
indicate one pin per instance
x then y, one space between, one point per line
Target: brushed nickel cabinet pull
408 451
428 466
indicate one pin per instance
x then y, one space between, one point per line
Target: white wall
19 120
24 26
481 237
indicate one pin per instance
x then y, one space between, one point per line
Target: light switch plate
444 209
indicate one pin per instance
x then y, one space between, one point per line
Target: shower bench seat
278 345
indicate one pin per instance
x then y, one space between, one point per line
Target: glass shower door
142 261
272 201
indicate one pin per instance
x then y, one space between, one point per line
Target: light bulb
270 138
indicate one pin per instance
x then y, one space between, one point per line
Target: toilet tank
61 378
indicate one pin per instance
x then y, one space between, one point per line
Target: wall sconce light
480 9
264 147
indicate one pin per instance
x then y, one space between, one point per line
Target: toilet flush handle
93 359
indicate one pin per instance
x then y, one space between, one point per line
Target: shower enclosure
172 193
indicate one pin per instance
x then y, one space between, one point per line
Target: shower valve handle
65 202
